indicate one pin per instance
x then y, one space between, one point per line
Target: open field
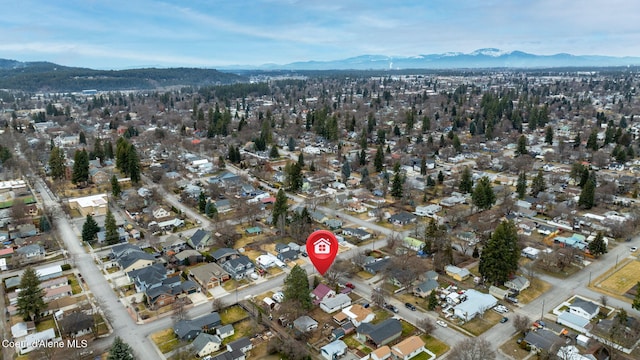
537 288
622 280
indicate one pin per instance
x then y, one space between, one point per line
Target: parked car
511 299
278 297
410 306
634 249
504 319
441 323
350 285
391 308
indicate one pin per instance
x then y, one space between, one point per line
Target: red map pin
322 248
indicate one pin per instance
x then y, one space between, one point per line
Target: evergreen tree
133 165
296 287
111 229
80 167
538 184
378 160
548 135
82 138
301 160
346 170
440 177
466 181
202 202
294 179
312 167
522 146
483 196
115 186
44 224
98 150
31 297
274 154
108 150
597 246
292 144
90 229
120 350
280 207
587 195
432 301
122 151
363 157
211 210
592 141
521 186
397 182
499 258
56 163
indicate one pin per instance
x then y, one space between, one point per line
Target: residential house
209 275
32 341
160 213
223 205
334 350
200 239
574 321
76 324
333 304
584 308
402 218
205 344
377 265
381 353
412 243
230 355
189 257
305 323
425 288
321 291
30 252
476 303
381 333
282 247
540 340
242 344
254 230
428 210
173 243
498 293
358 314
49 272
459 274
518 283
148 277
135 260
357 233
6 253
239 267
287 256
27 230
223 255
98 176
90 205
225 331
189 329
22 329
408 348
333 224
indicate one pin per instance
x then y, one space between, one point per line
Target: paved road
122 323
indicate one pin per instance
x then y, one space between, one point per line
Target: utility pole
542 312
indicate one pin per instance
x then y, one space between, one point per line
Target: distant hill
46 76
482 58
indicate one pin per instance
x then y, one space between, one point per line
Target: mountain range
482 58
46 76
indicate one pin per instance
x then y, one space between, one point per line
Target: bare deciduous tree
426 324
473 349
521 323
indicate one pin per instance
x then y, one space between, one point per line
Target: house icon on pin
322 246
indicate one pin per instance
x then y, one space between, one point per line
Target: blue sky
208 33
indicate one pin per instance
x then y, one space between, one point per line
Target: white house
584 308
409 348
333 350
476 303
333 304
358 314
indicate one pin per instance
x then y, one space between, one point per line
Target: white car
441 323
634 249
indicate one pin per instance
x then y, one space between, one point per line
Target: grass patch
434 345
230 285
364 275
622 280
275 270
46 324
513 349
243 328
75 286
407 328
421 356
479 325
233 314
112 269
353 343
381 315
537 288
166 340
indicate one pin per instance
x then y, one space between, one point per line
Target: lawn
381 315
75 287
166 340
353 343
364 275
233 314
244 328
46 324
422 356
513 349
407 328
622 280
479 325
230 285
434 345
537 288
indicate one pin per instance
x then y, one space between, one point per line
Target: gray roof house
230 355
224 254
135 260
76 324
239 267
541 340
148 277
289 255
200 239
381 333
584 308
225 331
305 323
377 265
518 283
243 344
189 329
30 252
205 344
280 247
425 288
402 218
